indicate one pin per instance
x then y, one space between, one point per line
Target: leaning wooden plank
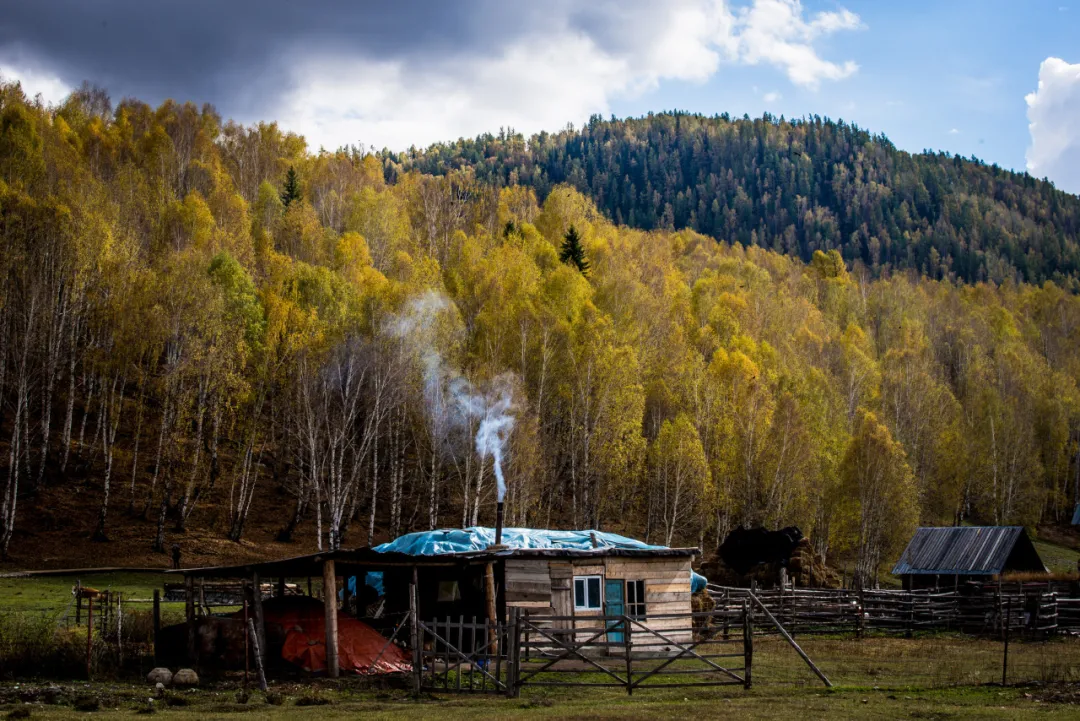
789 639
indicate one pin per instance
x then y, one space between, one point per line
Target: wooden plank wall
545 586
528 585
667 590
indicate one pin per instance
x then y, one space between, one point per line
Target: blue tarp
478 538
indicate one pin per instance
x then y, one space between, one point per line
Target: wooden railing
987 610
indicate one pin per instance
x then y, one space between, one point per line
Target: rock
160 675
185 678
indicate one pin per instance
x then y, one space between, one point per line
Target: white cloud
1052 113
954 131
775 32
557 73
772 97
35 82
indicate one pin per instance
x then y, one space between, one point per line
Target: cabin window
635 599
449 591
587 593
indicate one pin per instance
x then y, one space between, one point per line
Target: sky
994 79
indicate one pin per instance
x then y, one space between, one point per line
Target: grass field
47 593
932 677
1059 559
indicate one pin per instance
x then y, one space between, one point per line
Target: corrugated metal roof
964 550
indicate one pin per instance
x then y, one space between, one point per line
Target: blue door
613 606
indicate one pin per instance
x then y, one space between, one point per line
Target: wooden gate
662 651
467 655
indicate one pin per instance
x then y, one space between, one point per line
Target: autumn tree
879 500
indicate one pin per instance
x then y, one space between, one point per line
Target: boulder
160 675
185 678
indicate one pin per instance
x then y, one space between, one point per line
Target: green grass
935 676
1059 559
54 592
762 702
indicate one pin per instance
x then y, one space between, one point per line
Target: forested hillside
794 186
207 327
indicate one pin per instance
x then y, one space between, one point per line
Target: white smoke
449 396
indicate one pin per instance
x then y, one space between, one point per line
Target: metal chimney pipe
498 523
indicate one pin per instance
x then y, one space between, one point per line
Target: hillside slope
794 186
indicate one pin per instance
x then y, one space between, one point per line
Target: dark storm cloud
237 54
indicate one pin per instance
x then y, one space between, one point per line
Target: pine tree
572 252
291 189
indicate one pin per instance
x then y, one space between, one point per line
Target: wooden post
120 628
244 591
629 657
492 612
414 636
329 580
788 638
1005 656
513 654
260 621
258 655
281 587
157 626
89 633
860 621
748 644
189 615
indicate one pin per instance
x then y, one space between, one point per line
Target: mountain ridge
794 186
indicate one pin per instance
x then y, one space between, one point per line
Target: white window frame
599 599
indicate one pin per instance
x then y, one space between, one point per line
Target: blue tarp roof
479 538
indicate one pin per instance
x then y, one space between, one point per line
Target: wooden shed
949 556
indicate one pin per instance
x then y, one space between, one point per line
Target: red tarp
304 623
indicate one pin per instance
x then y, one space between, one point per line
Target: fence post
748 643
629 661
860 620
513 643
1005 655
418 666
89 633
157 625
189 615
120 628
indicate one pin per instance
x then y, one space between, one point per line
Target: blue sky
998 80
940 75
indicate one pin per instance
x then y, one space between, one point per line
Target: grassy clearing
930 677
762 702
49 593
1059 559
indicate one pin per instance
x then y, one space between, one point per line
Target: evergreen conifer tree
291 189
572 252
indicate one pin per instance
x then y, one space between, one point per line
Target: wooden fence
987 610
670 650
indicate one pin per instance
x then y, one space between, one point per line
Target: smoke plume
452 401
